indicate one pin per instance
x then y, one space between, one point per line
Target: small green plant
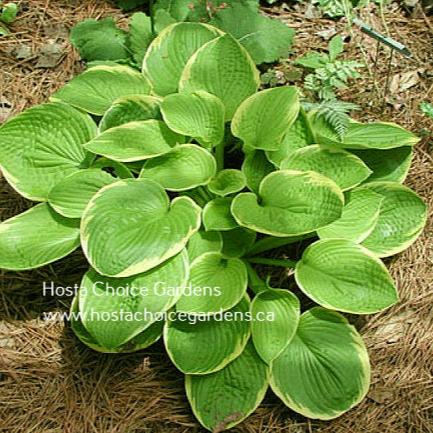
8 14
329 72
265 39
335 113
340 8
188 179
102 40
427 109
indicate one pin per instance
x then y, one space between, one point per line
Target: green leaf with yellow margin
43 145
168 54
228 181
255 168
72 194
131 226
145 339
275 316
184 167
202 242
378 135
325 370
132 304
403 215
217 284
289 203
221 67
97 88
341 275
204 346
135 141
344 168
217 215
223 399
199 115
262 120
130 108
37 237
359 218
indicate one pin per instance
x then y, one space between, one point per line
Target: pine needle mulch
50 383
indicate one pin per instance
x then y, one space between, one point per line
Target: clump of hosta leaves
184 176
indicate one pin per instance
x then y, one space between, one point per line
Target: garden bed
51 383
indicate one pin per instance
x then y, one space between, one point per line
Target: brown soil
50 383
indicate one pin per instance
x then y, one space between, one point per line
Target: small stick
376 61
387 83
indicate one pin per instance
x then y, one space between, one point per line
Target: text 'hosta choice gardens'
180 179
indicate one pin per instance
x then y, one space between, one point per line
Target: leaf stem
270 243
152 16
219 155
303 113
285 263
204 193
255 283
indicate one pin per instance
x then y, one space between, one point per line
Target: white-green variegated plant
181 178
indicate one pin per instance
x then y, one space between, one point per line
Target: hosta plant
177 182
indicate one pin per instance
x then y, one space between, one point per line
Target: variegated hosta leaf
131 108
202 242
184 167
131 304
42 145
168 54
199 115
401 220
255 168
223 399
135 141
227 182
325 369
131 226
262 120
281 309
344 168
215 284
225 69
379 135
390 165
360 216
72 194
342 275
97 88
289 203
238 241
208 345
36 237
296 137
217 215
145 339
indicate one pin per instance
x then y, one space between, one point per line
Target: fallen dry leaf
5 109
49 55
404 81
23 52
328 33
380 395
395 327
